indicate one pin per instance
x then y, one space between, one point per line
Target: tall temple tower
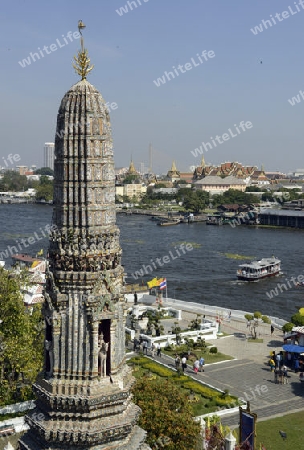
83 395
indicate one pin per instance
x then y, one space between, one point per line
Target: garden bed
203 399
196 352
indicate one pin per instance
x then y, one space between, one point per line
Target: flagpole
166 289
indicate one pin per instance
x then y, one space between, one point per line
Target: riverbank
237 317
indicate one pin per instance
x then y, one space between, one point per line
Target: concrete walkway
248 376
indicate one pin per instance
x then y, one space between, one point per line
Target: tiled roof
230 180
298 329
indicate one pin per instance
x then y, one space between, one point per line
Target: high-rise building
84 399
49 155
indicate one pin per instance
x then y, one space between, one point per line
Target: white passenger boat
255 270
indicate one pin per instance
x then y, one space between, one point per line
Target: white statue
102 355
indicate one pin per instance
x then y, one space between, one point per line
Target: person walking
135 298
196 365
184 363
145 347
158 350
278 361
271 329
135 342
201 364
152 350
177 361
272 365
285 371
296 365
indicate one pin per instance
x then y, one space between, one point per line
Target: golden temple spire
132 169
173 168
82 60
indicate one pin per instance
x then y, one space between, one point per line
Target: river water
206 274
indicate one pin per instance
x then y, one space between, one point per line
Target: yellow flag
152 283
155 282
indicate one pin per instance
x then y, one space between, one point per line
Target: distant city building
49 155
259 177
217 185
275 175
22 170
132 170
224 170
299 173
173 174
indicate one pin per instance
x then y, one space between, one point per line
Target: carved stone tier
84 392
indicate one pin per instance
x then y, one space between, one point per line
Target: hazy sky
131 50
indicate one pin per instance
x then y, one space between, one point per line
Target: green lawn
197 352
257 341
291 424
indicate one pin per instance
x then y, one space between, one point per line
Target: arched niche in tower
48 344
104 347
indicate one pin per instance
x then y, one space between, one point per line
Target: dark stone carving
83 309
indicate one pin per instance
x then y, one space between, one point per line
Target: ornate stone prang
84 392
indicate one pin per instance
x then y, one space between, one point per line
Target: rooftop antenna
150 158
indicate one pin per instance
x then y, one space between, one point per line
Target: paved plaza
248 375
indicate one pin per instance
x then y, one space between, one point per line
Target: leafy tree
253 189
166 414
130 179
195 323
181 182
13 181
257 315
234 196
287 327
192 200
268 197
44 191
248 317
298 320
44 171
21 339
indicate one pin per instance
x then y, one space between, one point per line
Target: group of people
180 363
143 345
198 365
292 361
278 367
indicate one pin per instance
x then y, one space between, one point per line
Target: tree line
14 182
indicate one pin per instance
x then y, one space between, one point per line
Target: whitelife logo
168 76
285 15
49 49
129 7
297 99
225 137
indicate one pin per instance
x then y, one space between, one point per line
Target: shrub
248 317
213 350
257 314
201 389
298 320
159 370
228 402
287 327
266 319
